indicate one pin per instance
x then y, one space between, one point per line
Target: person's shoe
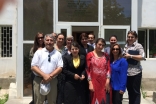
45 102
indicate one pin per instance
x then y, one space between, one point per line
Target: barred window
5 41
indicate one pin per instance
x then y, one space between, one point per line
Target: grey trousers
52 95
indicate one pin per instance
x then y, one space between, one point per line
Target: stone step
5 82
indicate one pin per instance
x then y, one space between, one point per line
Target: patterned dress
98 69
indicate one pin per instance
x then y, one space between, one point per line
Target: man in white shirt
91 38
46 65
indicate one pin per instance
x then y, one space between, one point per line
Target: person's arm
59 67
83 74
88 63
46 77
35 67
123 74
135 57
56 72
107 85
84 66
65 68
139 57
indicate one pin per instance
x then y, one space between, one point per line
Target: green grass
144 94
4 99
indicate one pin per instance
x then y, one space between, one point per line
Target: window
152 44
116 12
148 40
5 41
120 33
38 17
78 10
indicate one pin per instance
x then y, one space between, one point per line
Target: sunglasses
49 59
115 49
40 38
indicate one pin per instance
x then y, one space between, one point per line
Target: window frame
6 41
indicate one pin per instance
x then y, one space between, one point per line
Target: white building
20 23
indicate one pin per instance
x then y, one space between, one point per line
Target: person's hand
121 92
91 88
107 87
46 78
127 56
76 77
82 77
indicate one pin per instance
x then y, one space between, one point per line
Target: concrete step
5 82
19 101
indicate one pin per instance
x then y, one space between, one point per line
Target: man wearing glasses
46 65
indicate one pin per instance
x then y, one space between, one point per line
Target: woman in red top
98 70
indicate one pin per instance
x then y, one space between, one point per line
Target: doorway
76 35
77 30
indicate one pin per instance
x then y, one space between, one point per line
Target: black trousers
60 88
116 97
133 87
74 93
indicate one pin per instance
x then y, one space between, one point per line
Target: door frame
67 27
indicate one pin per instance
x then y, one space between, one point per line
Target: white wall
147 19
9 17
149 68
146 13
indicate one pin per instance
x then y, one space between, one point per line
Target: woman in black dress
74 70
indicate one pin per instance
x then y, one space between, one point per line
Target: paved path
27 101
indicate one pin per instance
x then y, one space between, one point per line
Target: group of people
85 73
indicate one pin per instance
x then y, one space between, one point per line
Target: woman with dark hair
38 45
84 47
59 46
74 70
98 71
119 67
134 53
112 40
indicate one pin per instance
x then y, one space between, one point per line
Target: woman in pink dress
98 71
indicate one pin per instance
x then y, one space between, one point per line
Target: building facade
20 23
